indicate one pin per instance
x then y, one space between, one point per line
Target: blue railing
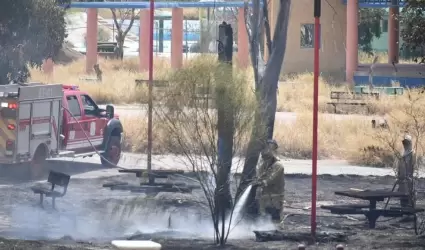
158 5
377 3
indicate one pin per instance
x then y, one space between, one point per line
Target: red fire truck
40 121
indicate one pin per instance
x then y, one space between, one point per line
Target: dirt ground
89 217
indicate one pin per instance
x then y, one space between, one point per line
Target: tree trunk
225 127
119 53
249 171
225 124
266 82
122 33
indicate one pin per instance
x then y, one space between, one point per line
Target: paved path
330 167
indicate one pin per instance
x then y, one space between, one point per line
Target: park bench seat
407 209
55 179
346 208
371 214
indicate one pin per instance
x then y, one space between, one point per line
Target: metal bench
350 98
107 49
106 46
55 179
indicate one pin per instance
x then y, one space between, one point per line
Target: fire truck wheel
37 163
112 155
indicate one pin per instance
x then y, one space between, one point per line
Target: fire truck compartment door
38 123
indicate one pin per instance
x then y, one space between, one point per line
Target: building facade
300 43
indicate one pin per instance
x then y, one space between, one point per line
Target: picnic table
351 98
152 187
370 210
153 174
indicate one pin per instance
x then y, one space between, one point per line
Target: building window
307 35
384 25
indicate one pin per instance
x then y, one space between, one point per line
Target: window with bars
307 36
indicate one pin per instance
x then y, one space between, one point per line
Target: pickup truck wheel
112 155
37 164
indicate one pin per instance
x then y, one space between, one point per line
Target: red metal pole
315 114
151 21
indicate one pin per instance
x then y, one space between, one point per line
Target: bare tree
189 122
120 16
408 118
266 75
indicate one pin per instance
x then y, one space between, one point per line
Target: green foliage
369 27
30 31
413 27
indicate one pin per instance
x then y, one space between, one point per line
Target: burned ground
90 216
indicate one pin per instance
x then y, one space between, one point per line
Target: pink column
144 36
351 62
177 38
243 46
48 66
393 35
91 40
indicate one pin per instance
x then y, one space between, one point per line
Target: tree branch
133 16
280 36
114 17
267 27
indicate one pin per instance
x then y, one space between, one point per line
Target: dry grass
350 138
118 85
337 139
295 94
382 58
341 139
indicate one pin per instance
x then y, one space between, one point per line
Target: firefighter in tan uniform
405 173
271 183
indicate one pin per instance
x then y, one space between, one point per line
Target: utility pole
225 119
150 90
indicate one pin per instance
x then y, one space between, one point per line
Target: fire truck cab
39 121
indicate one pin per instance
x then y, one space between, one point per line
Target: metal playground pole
317 10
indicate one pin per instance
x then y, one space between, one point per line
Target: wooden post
91 40
177 38
243 48
144 38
